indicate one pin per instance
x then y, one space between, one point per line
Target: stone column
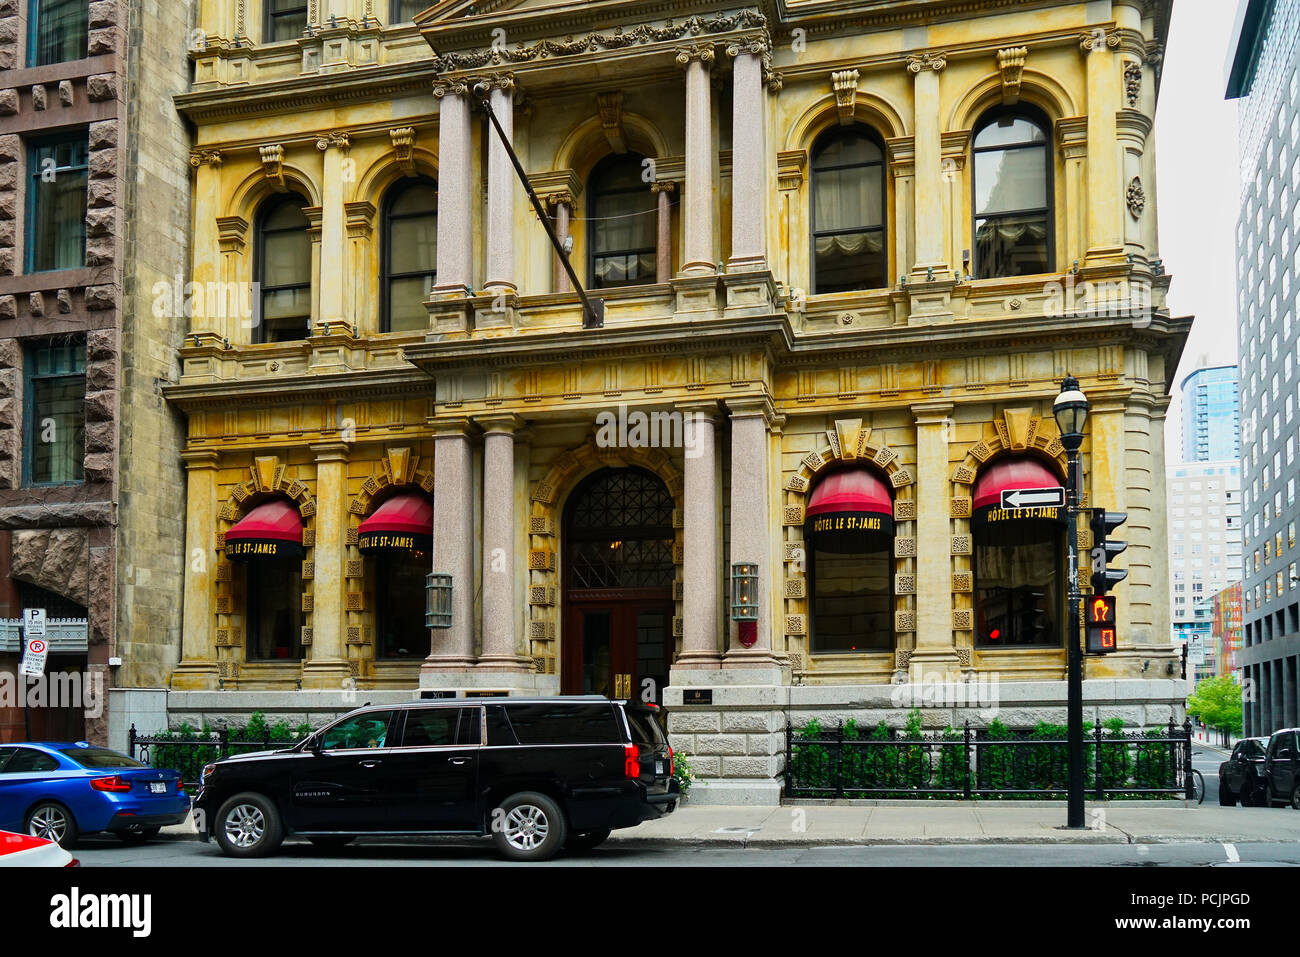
935 648
501 190
500 642
453 550
455 189
697 209
562 205
328 667
207 249
752 513
663 191
1105 189
748 157
198 665
701 587
928 208
333 242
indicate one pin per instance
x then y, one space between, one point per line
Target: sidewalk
988 822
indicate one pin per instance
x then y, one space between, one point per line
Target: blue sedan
60 791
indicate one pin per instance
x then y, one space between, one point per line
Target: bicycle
1198 786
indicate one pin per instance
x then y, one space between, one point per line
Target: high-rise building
1211 425
1265 76
94 214
1227 632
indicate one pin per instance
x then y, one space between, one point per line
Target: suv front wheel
248 825
529 827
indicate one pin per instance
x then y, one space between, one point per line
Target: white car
24 850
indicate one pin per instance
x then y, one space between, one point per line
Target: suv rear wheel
1295 797
529 827
248 825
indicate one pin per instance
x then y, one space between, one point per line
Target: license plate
157 787
659 767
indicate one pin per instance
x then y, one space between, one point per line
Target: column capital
340 139
705 408
331 451
759 46
1099 39
703 52
455 86
663 186
932 413
198 459
201 157
751 406
495 81
934 60
454 427
503 423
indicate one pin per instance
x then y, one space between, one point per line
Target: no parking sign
36 649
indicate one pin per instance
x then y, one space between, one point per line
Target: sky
1198 189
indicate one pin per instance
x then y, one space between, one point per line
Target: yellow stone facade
927 378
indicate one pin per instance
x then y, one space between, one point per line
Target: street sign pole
1074 731
27 713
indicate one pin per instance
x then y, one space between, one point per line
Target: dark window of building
564 724
56 203
848 211
56 413
58 31
620 525
1013 194
284 271
285 20
622 223
400 604
273 608
1019 570
410 254
852 598
404 11
56 606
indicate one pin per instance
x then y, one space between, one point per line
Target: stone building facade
93 213
846 254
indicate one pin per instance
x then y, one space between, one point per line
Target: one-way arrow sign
1033 497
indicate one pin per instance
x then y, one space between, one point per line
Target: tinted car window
4 756
430 727
645 729
498 726
471 726
1250 749
25 760
100 758
564 724
367 730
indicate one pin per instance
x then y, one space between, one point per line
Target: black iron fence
973 763
189 751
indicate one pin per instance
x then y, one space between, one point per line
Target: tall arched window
284 270
622 223
1013 194
848 211
850 535
410 254
1019 559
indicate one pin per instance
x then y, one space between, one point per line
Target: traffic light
1104 578
1099 614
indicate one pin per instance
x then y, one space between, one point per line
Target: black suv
1282 769
537 774
1241 777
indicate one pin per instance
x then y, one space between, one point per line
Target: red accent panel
408 512
276 521
851 490
1011 474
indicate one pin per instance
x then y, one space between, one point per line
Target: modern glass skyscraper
1265 76
1211 424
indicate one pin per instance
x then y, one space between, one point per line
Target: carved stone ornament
611 119
1132 82
927 61
1098 40
273 163
845 85
404 147
1136 197
212 158
336 138
697 51
450 88
1011 63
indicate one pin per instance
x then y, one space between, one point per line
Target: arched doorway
618 586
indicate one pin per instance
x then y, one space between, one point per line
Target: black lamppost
1071 412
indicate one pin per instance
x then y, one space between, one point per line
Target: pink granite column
751 522
455 189
501 190
453 545
701 585
664 240
697 208
748 157
562 203
500 643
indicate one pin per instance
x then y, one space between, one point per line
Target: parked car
1241 777
24 850
1282 769
537 774
60 791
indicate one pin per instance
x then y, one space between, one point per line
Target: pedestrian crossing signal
1099 615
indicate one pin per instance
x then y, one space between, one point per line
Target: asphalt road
411 852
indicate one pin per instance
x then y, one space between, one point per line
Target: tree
1217 702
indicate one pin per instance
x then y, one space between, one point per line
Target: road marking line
1233 856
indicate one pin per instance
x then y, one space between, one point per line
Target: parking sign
34 622
34 655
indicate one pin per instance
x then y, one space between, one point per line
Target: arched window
621 223
268 541
848 211
850 534
1019 559
1013 194
410 254
284 271
398 537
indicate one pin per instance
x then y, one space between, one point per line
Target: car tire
54 822
586 840
248 825
332 842
529 827
1295 797
1226 797
138 837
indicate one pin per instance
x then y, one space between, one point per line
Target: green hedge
193 748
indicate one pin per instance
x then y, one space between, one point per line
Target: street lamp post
1071 412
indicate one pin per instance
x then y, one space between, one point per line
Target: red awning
406 512
1011 474
850 490
276 521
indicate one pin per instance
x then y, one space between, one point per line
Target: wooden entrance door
620 648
